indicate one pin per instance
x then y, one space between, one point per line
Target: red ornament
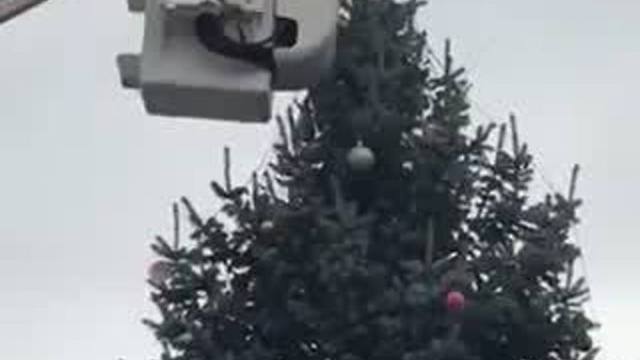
455 302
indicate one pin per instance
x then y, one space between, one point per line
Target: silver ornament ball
184 338
361 158
159 272
267 226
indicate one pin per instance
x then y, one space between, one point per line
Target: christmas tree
384 229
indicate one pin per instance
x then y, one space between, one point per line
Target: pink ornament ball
455 302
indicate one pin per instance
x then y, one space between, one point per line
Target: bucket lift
222 59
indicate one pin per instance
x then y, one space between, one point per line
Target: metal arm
10 9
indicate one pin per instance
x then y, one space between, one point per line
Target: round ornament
159 272
361 158
455 302
267 227
184 338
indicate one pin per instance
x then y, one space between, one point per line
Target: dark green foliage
356 265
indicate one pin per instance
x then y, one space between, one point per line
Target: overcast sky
87 179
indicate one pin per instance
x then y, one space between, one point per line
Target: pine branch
448 59
270 185
255 190
293 130
574 180
430 244
176 227
286 146
514 135
227 169
500 147
193 215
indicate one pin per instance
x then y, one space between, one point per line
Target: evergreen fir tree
382 229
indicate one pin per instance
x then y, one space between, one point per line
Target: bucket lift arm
10 9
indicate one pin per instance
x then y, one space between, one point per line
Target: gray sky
87 178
